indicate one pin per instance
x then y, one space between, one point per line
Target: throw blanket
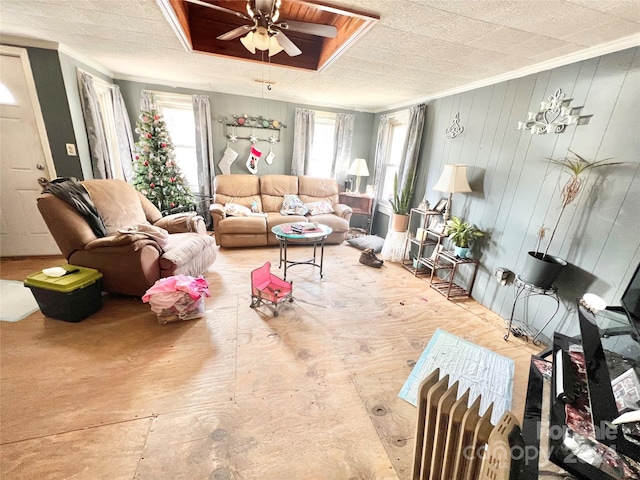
160 235
72 192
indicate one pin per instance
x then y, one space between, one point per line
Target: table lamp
453 180
359 169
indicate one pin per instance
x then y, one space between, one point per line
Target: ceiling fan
264 31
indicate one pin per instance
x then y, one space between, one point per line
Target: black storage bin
72 297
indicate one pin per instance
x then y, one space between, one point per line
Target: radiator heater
453 441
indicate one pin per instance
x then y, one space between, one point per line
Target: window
177 111
104 91
6 97
398 129
322 149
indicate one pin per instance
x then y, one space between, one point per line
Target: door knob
40 166
43 181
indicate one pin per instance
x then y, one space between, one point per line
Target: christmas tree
156 174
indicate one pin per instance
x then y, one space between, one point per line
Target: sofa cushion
312 189
243 225
118 204
191 250
237 188
273 188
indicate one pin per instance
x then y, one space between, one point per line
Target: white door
25 158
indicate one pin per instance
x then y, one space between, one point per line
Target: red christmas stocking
252 161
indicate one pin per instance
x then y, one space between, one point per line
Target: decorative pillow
235 210
367 241
319 208
292 205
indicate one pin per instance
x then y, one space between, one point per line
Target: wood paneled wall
515 190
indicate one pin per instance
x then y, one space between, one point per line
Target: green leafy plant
576 167
401 200
462 233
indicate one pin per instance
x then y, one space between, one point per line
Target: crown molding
210 89
28 42
86 61
597 51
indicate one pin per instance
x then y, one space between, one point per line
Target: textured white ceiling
418 49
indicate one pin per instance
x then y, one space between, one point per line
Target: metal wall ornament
455 129
254 123
554 116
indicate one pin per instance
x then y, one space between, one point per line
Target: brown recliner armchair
130 262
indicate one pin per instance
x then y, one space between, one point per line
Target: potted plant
540 268
462 234
401 202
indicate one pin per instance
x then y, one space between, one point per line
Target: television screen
630 299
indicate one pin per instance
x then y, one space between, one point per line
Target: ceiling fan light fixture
248 42
261 39
274 46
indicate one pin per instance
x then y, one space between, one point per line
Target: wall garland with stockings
156 173
246 121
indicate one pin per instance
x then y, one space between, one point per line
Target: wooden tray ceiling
198 28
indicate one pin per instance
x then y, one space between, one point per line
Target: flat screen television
630 299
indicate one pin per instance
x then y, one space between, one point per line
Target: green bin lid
67 283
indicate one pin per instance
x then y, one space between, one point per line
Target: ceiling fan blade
288 46
317 29
218 8
235 33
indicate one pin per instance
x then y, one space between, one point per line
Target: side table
523 291
360 204
448 260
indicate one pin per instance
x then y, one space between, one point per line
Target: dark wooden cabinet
360 204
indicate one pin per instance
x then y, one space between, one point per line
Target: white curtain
204 152
384 129
412 144
302 140
126 145
146 101
343 139
100 163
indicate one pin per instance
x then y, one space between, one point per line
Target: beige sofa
268 194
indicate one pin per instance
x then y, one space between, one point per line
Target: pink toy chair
268 289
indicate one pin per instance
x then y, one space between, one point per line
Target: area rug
482 371
16 301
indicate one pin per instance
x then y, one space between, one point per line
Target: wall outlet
502 275
71 150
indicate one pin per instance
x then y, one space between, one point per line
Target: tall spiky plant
401 201
576 167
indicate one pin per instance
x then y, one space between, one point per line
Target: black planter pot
541 272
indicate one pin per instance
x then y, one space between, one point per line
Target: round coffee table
286 234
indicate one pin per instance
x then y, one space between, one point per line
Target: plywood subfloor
311 394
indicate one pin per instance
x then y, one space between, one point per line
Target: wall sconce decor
455 129
248 121
554 115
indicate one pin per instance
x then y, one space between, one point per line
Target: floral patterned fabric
292 205
319 208
235 210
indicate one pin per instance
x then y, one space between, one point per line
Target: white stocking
252 161
269 158
227 159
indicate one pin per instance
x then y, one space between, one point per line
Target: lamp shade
359 168
453 180
247 41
